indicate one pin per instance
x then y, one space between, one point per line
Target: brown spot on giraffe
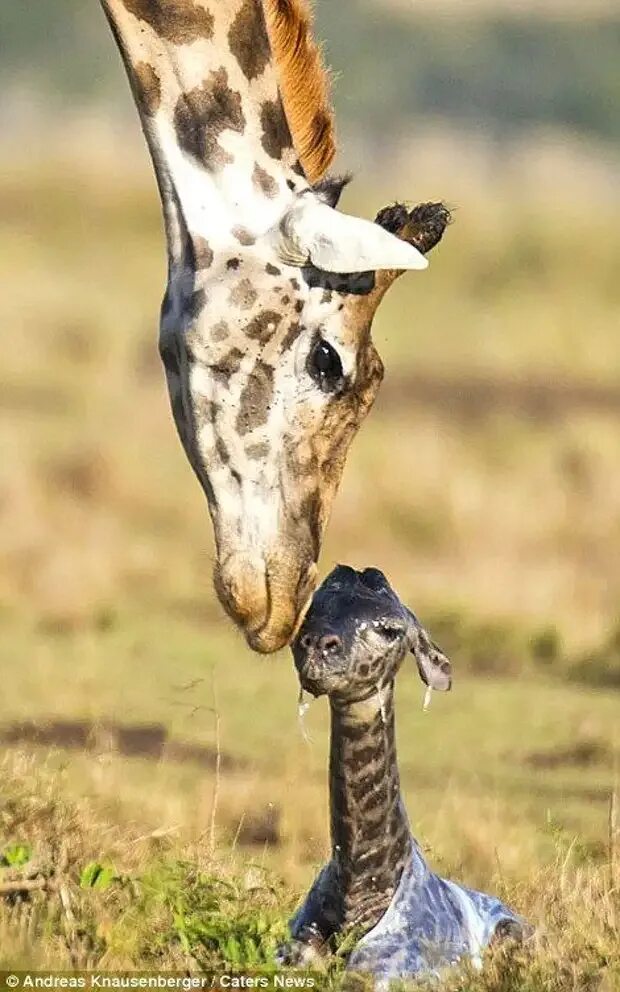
262 327
276 135
256 398
220 331
222 451
243 236
272 270
243 295
177 21
202 252
248 40
147 86
264 182
233 264
203 114
226 367
205 410
291 336
256 452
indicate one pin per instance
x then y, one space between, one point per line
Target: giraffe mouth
266 599
284 614
320 679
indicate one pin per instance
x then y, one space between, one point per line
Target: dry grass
105 897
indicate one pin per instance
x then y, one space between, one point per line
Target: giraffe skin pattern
412 922
265 325
430 924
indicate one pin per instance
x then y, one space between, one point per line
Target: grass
109 898
124 690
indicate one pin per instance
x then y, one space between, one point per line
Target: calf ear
434 668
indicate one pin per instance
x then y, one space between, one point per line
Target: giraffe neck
206 88
371 840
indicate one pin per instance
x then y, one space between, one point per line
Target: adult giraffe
265 324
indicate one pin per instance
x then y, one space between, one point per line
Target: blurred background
486 482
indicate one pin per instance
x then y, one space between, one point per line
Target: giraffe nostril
330 644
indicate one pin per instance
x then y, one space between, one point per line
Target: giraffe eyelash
391 631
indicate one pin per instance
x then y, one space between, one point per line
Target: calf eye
325 367
391 632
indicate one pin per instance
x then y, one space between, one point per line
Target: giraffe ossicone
265 323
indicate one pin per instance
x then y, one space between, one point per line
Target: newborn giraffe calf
411 922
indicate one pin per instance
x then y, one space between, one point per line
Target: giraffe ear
434 668
313 233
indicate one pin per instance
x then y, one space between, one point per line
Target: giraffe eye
325 367
391 631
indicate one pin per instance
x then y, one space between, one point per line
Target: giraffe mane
304 84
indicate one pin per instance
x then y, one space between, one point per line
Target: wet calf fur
410 921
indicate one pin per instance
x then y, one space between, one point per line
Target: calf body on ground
377 884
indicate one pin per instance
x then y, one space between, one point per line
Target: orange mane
304 84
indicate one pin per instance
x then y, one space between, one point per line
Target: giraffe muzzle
265 598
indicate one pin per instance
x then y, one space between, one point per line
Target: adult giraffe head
265 324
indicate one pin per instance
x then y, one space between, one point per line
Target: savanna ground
159 806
